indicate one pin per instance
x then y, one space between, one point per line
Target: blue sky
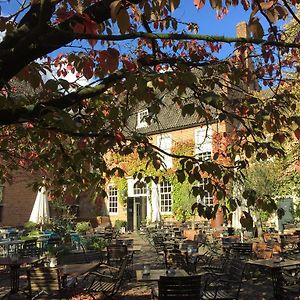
205 17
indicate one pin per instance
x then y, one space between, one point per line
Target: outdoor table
75 270
154 275
15 264
133 248
275 268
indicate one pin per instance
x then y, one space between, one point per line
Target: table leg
277 281
14 278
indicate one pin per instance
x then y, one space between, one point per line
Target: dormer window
141 118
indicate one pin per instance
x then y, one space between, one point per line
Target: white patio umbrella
155 204
40 212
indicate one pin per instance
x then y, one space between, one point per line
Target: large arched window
140 189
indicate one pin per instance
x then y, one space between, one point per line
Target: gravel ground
258 287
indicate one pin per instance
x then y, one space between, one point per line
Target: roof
169 118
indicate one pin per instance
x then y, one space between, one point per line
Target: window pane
112 200
140 188
207 199
203 143
165 197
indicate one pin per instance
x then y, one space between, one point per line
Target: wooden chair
107 280
44 281
185 287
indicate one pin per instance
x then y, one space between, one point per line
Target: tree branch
182 36
17 51
31 112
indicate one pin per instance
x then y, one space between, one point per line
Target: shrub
119 224
83 227
94 243
31 226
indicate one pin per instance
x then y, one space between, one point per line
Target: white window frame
112 200
208 198
141 118
165 197
203 143
137 191
164 142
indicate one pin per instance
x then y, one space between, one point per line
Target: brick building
143 203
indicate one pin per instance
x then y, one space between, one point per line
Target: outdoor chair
30 248
242 250
225 285
175 259
106 280
116 254
45 281
185 287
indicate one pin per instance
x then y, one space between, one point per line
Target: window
207 198
141 118
165 197
165 144
112 200
203 143
140 188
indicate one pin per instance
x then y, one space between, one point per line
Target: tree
63 130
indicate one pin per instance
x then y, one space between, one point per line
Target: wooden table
76 270
14 265
155 274
275 268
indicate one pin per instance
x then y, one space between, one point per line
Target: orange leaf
199 3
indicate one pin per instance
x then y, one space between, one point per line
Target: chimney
242 31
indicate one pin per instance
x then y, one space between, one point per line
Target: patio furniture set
79 270
221 267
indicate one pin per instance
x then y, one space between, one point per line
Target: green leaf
188 109
180 176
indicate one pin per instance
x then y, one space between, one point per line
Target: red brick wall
18 201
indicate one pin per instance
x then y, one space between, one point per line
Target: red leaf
130 66
297 133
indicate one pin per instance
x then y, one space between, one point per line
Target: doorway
136 212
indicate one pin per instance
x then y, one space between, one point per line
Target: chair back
116 254
184 287
30 244
242 249
43 280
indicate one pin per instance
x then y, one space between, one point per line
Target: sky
205 17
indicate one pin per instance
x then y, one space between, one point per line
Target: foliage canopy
60 129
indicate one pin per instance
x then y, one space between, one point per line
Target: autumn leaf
123 20
199 3
297 133
174 4
255 28
114 9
